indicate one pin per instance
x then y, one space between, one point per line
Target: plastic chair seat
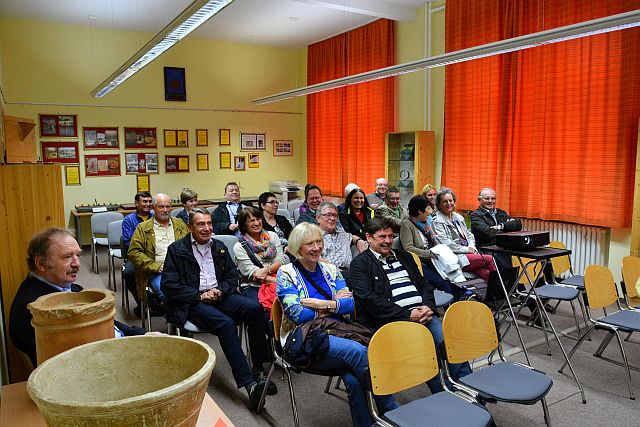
188 326
626 319
116 253
562 293
509 382
104 241
442 298
440 409
577 281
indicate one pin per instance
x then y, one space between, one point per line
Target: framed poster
225 160
175 86
72 174
59 125
170 138
238 163
140 138
282 148
176 164
60 152
144 163
202 162
247 141
183 138
225 136
102 165
143 183
100 138
202 137
254 160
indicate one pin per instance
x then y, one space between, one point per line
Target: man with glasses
377 198
393 209
225 217
487 221
149 245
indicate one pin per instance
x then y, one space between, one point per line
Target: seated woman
417 237
301 288
271 221
452 231
189 199
356 213
429 192
259 255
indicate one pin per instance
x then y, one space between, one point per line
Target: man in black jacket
388 287
225 216
200 282
54 261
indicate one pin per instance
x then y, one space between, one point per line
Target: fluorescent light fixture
191 18
569 32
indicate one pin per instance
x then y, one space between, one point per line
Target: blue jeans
457 370
349 358
154 283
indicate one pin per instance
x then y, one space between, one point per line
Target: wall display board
225 160
202 137
176 138
225 136
101 138
60 152
59 125
175 85
72 175
140 138
102 165
239 163
143 183
253 141
254 160
202 162
144 163
282 148
176 164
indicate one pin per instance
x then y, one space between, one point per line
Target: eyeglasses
273 202
329 215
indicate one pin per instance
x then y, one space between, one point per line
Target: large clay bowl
134 381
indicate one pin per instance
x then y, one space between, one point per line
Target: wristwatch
328 306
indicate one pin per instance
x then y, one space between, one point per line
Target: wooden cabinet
30 200
20 140
409 160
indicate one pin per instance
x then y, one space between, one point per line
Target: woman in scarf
259 255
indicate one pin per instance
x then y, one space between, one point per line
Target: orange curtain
554 128
346 126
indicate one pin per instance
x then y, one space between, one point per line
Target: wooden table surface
18 410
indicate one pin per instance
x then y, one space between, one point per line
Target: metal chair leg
328 386
264 390
575 347
294 408
626 366
125 292
603 345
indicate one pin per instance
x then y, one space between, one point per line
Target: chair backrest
562 263
210 209
176 211
296 214
599 286
469 331
396 244
285 213
416 259
401 355
293 204
531 268
630 274
114 233
229 242
100 221
276 318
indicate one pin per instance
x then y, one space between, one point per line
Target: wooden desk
18 410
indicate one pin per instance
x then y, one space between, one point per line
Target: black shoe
549 308
137 312
255 394
260 376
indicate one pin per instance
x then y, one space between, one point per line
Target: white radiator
588 244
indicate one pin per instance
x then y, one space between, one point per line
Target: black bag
305 346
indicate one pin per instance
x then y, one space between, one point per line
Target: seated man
312 199
387 287
392 209
149 245
143 202
200 281
487 221
54 261
225 216
337 242
377 198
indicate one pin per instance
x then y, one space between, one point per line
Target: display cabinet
409 160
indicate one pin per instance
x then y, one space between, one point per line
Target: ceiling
281 23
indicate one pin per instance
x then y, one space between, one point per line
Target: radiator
588 244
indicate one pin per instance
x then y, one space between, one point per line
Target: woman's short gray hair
441 194
302 233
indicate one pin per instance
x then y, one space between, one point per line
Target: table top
18 410
539 253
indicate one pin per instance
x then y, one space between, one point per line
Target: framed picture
59 125
253 141
175 86
225 160
100 138
72 174
202 137
141 163
183 138
102 165
239 163
202 162
174 164
170 138
143 183
254 160
282 148
140 138
60 152
225 136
